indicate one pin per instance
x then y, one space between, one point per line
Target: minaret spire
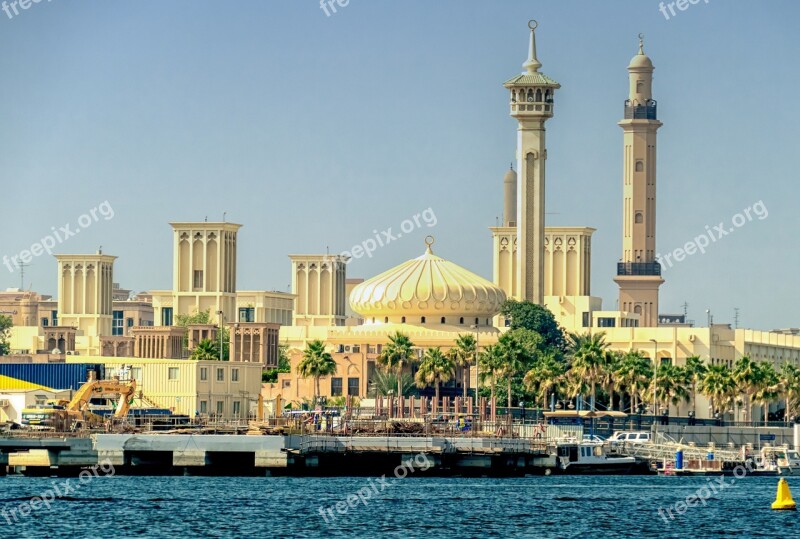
532 64
641 43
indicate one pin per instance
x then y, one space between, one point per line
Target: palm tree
385 382
718 385
695 369
673 385
768 388
633 373
396 355
516 347
608 375
589 359
436 367
316 363
491 362
206 350
746 375
464 354
546 374
790 388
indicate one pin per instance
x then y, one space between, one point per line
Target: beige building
318 282
225 389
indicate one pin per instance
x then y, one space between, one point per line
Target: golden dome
428 286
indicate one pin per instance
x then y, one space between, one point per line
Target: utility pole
22 266
685 310
736 317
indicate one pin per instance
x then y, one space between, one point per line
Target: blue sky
312 131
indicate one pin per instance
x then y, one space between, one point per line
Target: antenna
736 317
22 266
685 310
223 216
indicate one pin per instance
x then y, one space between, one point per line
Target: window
587 320
336 387
423 320
136 374
44 322
237 408
166 316
639 218
203 374
41 400
203 407
287 384
220 375
220 407
639 86
639 166
606 322
173 373
54 316
356 348
234 375
247 314
129 322
352 386
443 320
117 327
461 320
198 279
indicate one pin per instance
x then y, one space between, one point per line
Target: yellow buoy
783 500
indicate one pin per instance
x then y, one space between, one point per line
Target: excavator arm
97 388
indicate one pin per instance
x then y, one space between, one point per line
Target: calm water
541 507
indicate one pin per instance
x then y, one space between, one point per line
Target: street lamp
477 371
655 379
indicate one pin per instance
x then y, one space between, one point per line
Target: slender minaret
531 105
510 198
638 272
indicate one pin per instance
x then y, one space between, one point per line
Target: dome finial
641 43
429 241
532 64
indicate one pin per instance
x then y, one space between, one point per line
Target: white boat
591 457
782 460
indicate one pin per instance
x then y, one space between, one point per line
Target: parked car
630 437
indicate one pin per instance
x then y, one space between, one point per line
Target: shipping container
55 376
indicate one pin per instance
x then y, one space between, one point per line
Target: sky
318 131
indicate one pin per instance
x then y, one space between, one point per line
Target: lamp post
221 316
477 371
655 381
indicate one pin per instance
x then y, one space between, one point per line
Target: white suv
630 437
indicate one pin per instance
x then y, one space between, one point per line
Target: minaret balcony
648 111
638 268
546 108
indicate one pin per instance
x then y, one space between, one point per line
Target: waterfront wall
724 436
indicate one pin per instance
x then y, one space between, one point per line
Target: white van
630 437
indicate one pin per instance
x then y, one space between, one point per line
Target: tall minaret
638 273
531 105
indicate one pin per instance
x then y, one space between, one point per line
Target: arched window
539 95
423 320
639 218
403 320
476 322
443 320
640 166
461 320
386 320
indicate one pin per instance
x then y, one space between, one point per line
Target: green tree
435 368
270 376
206 350
768 387
518 348
634 373
204 317
718 385
463 353
673 385
527 315
747 377
491 366
385 382
316 363
6 323
790 388
545 375
589 359
695 369
396 355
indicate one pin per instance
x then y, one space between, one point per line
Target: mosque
430 299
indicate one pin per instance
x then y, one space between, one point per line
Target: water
415 507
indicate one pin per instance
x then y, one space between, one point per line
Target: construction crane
62 415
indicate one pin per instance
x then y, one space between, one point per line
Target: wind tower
638 272
532 101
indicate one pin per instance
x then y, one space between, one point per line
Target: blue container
710 455
679 460
58 376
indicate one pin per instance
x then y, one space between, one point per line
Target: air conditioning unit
70 353
5 403
346 348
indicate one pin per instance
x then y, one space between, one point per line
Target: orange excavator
63 416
